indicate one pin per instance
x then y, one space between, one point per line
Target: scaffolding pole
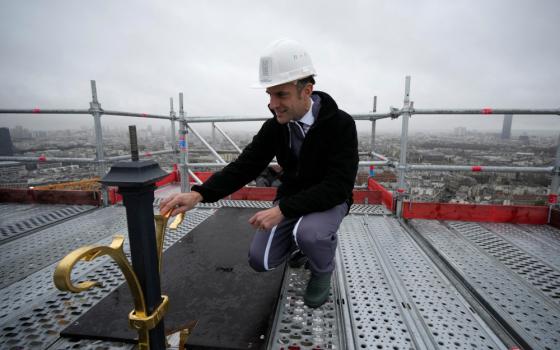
555 184
226 137
488 110
96 111
223 165
45 111
195 178
43 159
373 122
401 169
479 168
184 148
143 155
210 148
173 117
136 115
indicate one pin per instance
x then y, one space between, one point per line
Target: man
316 145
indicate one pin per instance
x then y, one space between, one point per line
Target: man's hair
301 83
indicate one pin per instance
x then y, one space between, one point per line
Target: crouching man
316 145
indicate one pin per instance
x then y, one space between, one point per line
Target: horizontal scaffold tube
222 165
142 155
138 115
44 111
48 159
546 111
479 168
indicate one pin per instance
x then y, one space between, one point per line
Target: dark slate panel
208 280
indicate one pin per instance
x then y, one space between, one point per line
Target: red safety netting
476 212
386 196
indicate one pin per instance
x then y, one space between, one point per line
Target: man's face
287 103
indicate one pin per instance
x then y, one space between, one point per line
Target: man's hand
179 202
266 219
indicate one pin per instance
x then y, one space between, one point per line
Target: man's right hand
179 202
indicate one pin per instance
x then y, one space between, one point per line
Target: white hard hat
283 61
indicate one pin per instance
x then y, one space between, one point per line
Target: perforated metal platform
387 291
33 311
370 209
396 296
19 219
509 269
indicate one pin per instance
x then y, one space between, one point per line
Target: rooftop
399 284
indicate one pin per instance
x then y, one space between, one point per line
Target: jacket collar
326 105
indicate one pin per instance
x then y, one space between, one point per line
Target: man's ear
308 89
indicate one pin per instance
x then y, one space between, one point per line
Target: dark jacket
322 178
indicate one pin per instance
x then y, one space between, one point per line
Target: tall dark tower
506 128
6 146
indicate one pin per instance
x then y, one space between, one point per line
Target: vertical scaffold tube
401 186
555 184
373 122
95 110
173 132
372 138
184 148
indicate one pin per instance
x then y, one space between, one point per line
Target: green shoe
317 291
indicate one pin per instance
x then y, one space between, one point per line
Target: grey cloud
460 54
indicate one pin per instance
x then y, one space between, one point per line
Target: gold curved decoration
178 220
63 271
138 318
161 225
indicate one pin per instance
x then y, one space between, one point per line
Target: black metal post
136 182
141 232
133 143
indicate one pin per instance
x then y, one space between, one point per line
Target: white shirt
308 119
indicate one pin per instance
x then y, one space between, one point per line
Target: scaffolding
180 148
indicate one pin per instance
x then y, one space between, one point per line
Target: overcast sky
464 54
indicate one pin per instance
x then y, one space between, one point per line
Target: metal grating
38 318
18 219
532 316
369 209
299 326
374 312
545 233
228 203
398 298
443 312
86 344
29 254
354 209
503 241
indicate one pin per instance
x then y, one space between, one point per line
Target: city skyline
464 54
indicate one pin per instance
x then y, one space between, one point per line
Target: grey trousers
314 234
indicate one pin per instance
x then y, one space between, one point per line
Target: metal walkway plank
300 327
529 258
397 298
41 311
545 233
375 313
19 219
29 254
529 313
442 310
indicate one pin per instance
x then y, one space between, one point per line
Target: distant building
11 172
506 128
460 131
524 139
6 146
